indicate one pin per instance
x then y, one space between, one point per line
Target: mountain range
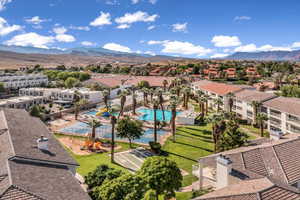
266 55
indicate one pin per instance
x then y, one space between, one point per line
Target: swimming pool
104 131
148 115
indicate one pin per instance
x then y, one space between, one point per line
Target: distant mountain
266 55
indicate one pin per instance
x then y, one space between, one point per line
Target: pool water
104 131
94 112
148 115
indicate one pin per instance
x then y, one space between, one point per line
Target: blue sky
190 28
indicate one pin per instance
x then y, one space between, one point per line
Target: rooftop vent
224 167
42 143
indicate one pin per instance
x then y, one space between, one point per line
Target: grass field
192 142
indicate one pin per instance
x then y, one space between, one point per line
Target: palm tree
174 101
206 98
218 102
122 95
113 121
151 92
133 100
155 107
145 95
262 117
78 106
165 83
230 97
256 107
218 128
201 100
105 94
159 94
94 124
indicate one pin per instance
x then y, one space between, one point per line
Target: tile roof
220 88
277 161
253 95
285 104
28 173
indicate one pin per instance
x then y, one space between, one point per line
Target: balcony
275 113
294 119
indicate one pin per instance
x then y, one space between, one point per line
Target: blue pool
148 115
104 131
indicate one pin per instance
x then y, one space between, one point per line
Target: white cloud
246 48
103 19
138 16
134 1
123 26
80 28
117 47
65 38
87 43
153 1
154 42
267 47
5 28
151 27
36 20
227 50
225 41
239 18
150 53
179 27
219 55
183 48
3 3
30 39
296 45
112 2
60 30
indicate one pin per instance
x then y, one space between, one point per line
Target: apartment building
22 81
283 114
33 164
243 99
24 102
263 172
67 95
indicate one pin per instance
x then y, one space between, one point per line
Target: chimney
224 167
42 143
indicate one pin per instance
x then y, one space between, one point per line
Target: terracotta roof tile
220 88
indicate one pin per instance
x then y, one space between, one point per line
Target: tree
256 107
143 84
160 97
105 94
162 175
78 101
71 82
122 95
102 174
35 111
145 92
218 102
155 107
218 128
126 187
130 129
230 97
261 118
94 124
2 89
133 100
165 83
173 106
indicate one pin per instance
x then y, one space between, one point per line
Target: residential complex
22 81
23 102
264 172
67 95
33 165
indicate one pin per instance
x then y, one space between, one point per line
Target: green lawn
255 130
192 142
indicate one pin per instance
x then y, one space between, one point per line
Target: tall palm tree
145 95
133 100
218 128
165 83
174 101
187 96
155 107
94 124
113 121
256 108
261 118
122 95
206 98
159 94
151 93
230 97
105 94
218 102
78 106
